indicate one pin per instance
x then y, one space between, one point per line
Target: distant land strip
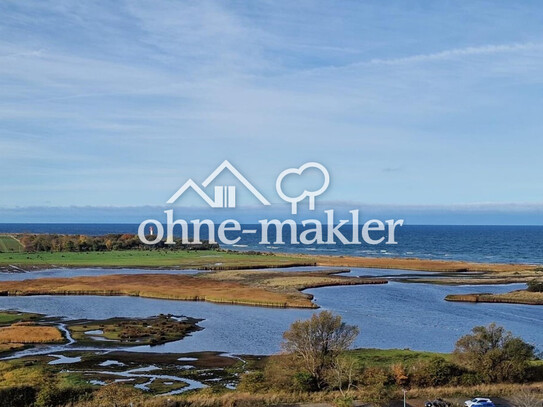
513 297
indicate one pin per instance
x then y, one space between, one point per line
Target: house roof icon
225 196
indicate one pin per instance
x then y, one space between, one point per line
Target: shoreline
291 260
246 289
521 297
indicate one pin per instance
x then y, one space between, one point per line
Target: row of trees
314 358
84 243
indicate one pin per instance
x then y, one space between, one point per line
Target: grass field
389 357
10 317
8 244
221 260
209 259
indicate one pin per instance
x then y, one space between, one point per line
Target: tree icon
305 194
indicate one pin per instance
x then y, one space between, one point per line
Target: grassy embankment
8 244
262 288
513 297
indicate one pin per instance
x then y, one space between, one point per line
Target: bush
535 286
494 354
377 385
344 401
21 396
52 396
305 382
435 372
253 382
279 372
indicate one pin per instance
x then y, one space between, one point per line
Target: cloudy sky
409 104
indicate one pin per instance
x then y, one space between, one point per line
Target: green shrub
305 382
435 372
535 286
253 382
17 396
52 396
344 401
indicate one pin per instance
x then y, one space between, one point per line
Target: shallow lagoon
395 315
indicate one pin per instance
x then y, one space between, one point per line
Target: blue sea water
486 244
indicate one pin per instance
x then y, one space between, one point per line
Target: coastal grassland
178 259
8 244
260 288
513 297
229 260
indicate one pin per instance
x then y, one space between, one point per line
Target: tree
318 341
494 354
342 373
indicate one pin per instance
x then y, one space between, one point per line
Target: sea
484 244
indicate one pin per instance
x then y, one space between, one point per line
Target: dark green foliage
51 396
304 381
253 382
82 243
17 396
494 354
435 372
535 286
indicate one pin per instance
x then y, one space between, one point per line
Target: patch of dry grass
272 288
416 264
513 297
23 334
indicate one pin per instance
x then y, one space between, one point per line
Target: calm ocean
500 244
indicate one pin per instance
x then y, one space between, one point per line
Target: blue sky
409 104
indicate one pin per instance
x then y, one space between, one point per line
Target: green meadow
209 259
389 357
9 244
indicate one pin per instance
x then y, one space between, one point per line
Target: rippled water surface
395 315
